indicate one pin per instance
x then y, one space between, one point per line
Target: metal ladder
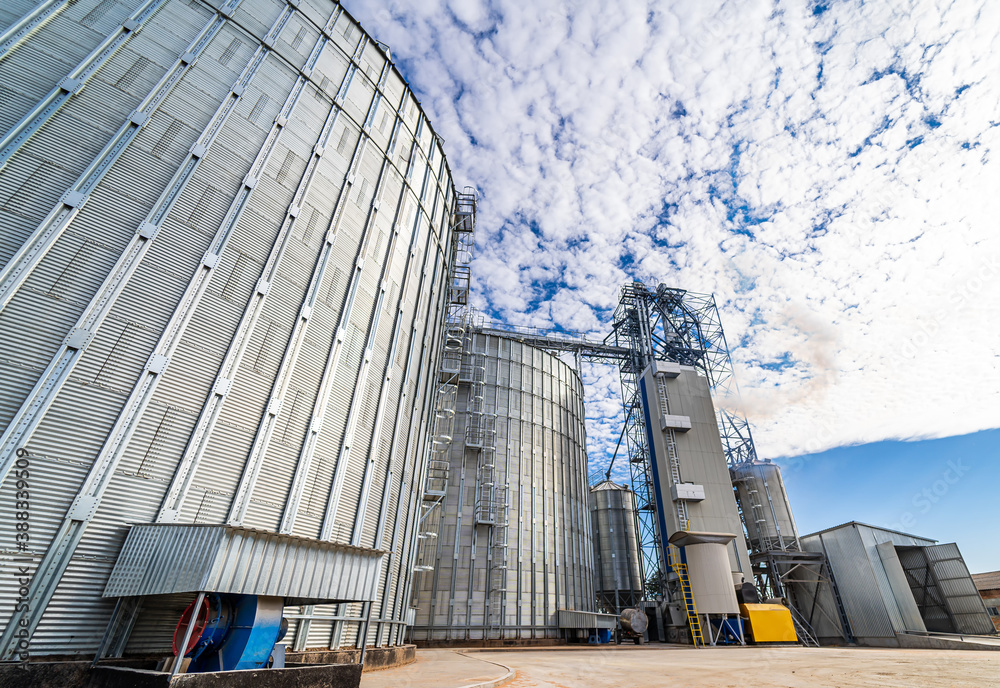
498 563
680 505
672 459
690 608
491 496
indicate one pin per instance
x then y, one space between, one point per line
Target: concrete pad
441 669
655 666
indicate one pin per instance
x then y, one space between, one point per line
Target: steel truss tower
683 327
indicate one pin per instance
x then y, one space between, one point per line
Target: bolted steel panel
547 559
159 413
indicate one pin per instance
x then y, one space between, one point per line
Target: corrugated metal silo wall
225 227
618 577
540 453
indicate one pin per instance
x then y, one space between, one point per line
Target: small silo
761 494
617 575
513 546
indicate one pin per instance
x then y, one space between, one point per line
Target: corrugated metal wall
541 455
618 575
944 589
223 226
861 579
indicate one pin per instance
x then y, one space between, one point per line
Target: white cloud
829 175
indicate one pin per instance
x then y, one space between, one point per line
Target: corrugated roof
608 485
867 525
167 558
987 581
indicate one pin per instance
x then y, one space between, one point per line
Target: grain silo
617 575
226 232
767 514
514 545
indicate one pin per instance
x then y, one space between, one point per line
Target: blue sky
826 169
944 489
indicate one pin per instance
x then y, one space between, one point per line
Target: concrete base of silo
82 675
376 658
491 643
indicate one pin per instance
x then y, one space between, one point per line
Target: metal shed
893 583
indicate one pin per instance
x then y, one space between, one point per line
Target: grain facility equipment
760 491
618 576
768 623
632 625
782 569
677 449
513 548
897 588
678 359
230 245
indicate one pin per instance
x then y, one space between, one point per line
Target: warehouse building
988 585
895 585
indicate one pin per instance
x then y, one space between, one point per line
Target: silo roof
608 485
867 525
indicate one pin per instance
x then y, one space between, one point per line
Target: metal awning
683 538
160 559
570 618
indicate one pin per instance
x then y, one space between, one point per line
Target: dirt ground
791 667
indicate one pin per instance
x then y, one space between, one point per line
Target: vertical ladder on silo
491 496
672 459
690 608
498 562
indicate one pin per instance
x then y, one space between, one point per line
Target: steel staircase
802 628
457 322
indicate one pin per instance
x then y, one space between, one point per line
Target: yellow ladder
681 569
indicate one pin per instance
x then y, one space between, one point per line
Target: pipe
187 634
364 637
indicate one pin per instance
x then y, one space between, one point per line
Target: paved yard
656 666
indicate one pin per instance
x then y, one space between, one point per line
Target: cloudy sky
827 169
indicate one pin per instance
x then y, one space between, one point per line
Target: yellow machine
769 623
